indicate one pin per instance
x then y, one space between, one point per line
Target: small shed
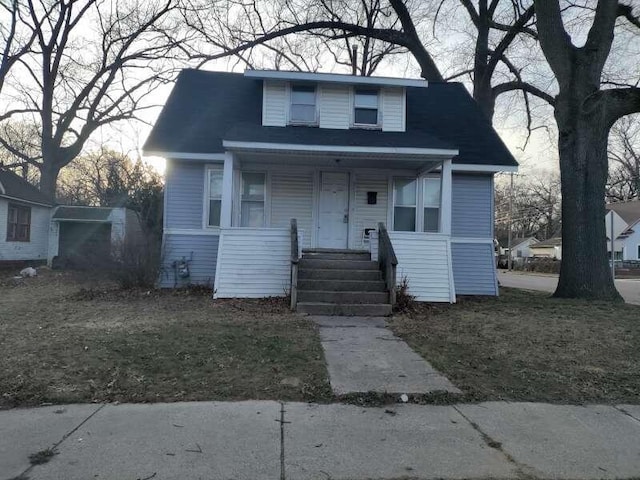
90 236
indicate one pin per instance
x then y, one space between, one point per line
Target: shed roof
14 187
83 214
206 108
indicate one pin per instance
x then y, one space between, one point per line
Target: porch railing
295 258
388 261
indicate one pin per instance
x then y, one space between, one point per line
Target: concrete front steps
341 282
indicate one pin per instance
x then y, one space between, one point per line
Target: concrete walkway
271 440
364 356
628 288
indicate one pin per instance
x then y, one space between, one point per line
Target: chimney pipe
354 60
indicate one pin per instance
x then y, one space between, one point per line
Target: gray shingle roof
93 214
629 211
15 187
206 108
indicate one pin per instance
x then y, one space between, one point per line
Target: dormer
334 101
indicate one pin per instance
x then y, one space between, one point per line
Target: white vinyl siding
37 246
335 106
274 104
365 215
393 110
425 260
253 263
292 197
335 109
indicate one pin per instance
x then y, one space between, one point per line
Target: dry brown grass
527 346
68 337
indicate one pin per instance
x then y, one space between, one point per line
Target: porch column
445 202
227 191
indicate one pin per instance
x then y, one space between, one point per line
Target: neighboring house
550 248
626 229
246 153
82 236
25 214
520 247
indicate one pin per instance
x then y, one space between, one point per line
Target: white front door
334 210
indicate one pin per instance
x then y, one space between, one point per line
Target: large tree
585 111
91 63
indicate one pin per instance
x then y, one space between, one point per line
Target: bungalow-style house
380 175
549 248
25 214
626 229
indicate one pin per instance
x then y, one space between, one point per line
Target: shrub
405 302
138 264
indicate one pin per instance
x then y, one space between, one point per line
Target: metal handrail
388 261
295 259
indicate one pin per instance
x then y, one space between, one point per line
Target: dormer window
365 107
303 105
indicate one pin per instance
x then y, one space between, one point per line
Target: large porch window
252 211
404 204
408 193
431 203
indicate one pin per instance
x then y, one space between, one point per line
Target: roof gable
628 211
16 188
206 108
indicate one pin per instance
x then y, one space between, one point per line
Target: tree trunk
585 271
48 180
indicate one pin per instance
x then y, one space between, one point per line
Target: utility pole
509 258
613 248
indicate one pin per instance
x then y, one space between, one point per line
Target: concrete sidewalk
363 355
271 440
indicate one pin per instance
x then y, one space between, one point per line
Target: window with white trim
431 203
365 107
404 204
252 199
638 252
214 196
303 105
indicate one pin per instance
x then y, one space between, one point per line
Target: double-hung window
365 107
214 196
431 204
252 199
404 204
18 223
303 105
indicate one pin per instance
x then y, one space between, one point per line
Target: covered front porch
338 197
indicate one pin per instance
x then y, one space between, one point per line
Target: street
628 288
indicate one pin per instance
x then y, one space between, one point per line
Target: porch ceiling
333 159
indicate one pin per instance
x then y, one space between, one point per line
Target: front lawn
527 346
65 337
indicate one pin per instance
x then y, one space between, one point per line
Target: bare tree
536 206
585 112
15 41
92 63
624 160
